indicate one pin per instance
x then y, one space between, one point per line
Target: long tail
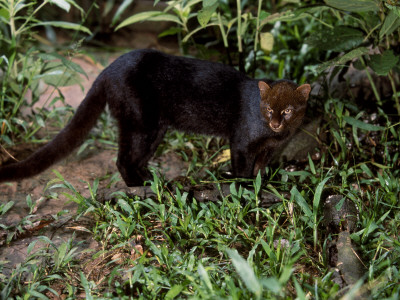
63 143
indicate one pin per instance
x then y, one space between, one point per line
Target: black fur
148 92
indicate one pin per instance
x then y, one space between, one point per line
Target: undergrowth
173 245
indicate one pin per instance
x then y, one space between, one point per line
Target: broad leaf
204 276
149 16
125 206
174 291
170 31
74 4
6 207
4 14
341 38
301 202
272 284
383 63
124 5
266 41
391 23
66 62
318 194
342 60
61 4
354 5
209 2
362 125
246 273
66 25
395 9
205 14
59 77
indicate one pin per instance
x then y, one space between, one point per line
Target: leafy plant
234 25
85 205
367 36
23 69
39 270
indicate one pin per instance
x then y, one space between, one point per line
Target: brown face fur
283 104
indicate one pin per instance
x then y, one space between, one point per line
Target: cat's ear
264 88
304 90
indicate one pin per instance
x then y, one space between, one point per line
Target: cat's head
283 104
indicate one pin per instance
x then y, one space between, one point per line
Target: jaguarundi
148 91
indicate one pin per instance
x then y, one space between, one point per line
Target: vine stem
13 67
239 28
224 35
12 21
258 26
371 81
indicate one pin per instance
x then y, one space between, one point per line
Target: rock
340 219
301 143
343 218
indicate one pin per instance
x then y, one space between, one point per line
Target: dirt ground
77 171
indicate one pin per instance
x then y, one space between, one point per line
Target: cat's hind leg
135 150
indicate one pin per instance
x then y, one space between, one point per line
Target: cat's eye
269 109
287 111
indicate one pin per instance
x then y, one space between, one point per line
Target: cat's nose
274 124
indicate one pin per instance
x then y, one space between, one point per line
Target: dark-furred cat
148 91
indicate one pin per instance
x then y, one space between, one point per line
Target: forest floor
43 208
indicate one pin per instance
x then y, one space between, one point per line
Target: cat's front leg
132 174
261 161
242 160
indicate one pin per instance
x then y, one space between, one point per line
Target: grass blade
246 273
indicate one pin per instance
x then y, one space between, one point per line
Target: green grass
172 245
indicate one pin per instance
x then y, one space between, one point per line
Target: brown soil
79 172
